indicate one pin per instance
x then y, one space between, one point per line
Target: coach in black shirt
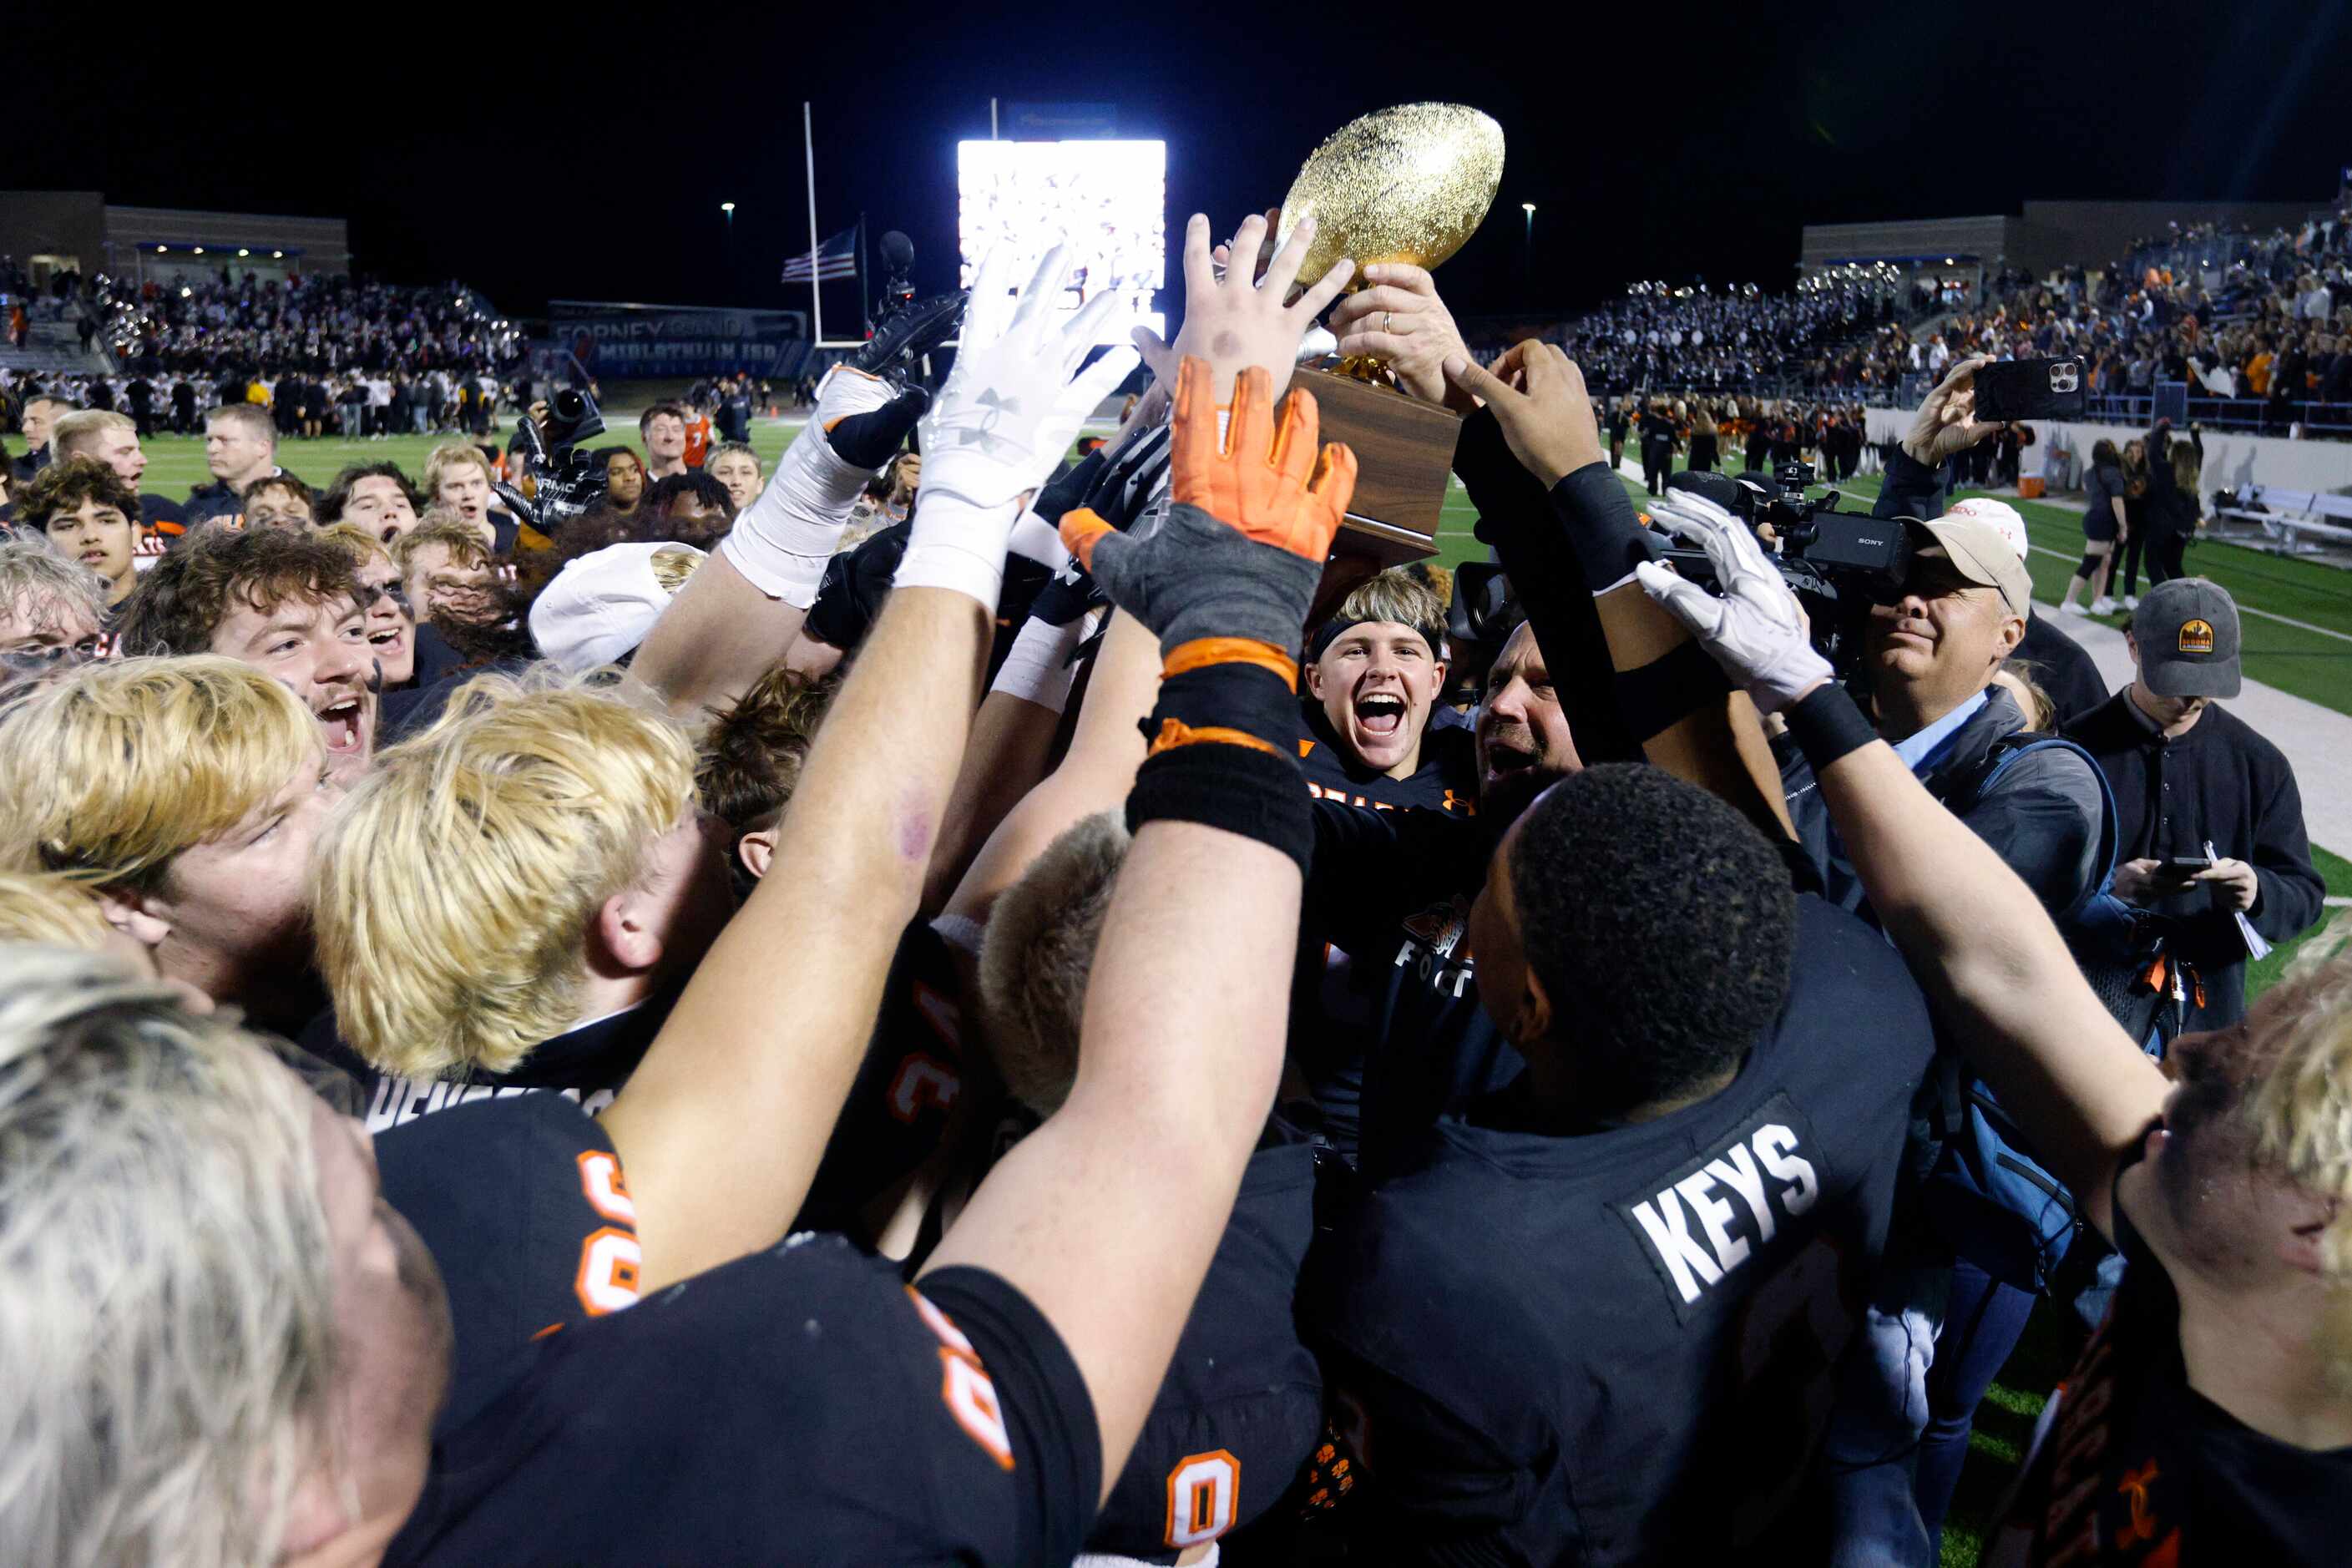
2186 776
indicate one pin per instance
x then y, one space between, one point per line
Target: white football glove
1007 415
1755 630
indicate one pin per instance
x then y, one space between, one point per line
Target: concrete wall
2232 459
54 223
1986 237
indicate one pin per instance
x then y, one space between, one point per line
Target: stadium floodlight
243 251
279 254
1526 206
161 248
727 207
200 251
1109 198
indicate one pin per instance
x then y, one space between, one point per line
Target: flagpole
816 293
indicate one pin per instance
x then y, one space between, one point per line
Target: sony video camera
567 478
1838 564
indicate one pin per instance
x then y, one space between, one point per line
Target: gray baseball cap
2187 631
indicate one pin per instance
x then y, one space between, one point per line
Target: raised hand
1242 547
1947 423
1756 631
1400 320
1537 394
1238 320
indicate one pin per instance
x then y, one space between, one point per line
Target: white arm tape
781 542
959 544
1037 668
1034 539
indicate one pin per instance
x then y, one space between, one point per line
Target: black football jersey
801 1405
1448 779
586 1066
1241 1405
2137 1467
524 1205
1386 1024
1618 1344
908 1084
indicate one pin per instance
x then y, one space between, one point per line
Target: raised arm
1984 948
1669 699
1107 1217
737 617
721 1130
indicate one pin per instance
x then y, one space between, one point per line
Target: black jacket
2061 668
2223 783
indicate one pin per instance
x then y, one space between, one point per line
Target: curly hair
1659 920
181 602
64 488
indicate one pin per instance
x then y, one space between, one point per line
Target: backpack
1992 1200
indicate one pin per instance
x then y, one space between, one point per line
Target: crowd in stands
1071 1027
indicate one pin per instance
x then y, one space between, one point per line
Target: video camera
569 479
1838 564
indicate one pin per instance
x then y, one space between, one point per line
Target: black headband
1330 631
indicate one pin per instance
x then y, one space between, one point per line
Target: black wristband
1258 794
1669 688
1249 697
1603 528
1827 724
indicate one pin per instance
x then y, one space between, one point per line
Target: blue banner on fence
619 340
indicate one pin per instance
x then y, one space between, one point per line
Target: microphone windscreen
898 251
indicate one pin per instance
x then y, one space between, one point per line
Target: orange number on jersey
608 1194
965 1385
1203 1490
609 1260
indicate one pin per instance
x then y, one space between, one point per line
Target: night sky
1658 140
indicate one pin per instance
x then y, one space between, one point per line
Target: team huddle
1064 1032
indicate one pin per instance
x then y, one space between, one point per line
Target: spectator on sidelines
40 412
2193 781
662 428
240 448
458 477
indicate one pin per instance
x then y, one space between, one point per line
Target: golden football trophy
1410 183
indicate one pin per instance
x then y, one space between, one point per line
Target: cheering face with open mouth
1376 682
318 649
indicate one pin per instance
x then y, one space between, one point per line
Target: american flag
836 257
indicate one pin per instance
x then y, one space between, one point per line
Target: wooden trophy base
1404 459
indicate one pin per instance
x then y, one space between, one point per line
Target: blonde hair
442 527
454 889
362 545
46 588
50 906
66 435
2301 1101
1037 953
109 771
168 1326
445 454
1398 595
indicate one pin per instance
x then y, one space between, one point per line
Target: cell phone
2030 389
2184 867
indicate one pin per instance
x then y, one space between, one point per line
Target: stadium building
52 232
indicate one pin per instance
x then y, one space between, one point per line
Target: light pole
1527 251
729 209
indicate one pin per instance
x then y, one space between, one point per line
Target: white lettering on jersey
399 1100
1698 1256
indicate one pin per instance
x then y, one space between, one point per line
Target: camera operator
2193 781
2208 1419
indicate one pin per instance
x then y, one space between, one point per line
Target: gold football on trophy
1408 183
